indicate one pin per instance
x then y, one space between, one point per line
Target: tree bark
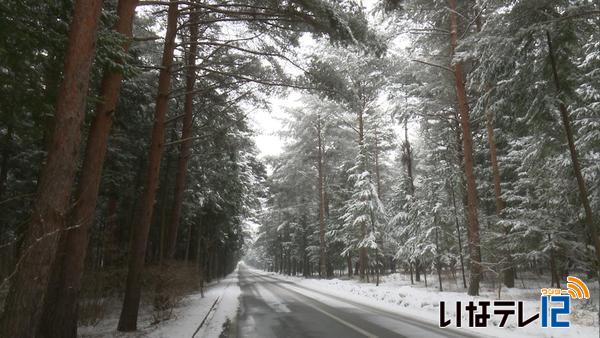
438 262
322 246
164 184
60 309
459 237
508 275
200 261
110 235
186 134
494 159
362 251
377 171
6 150
553 269
463 107
349 262
23 307
378 182
407 159
376 251
137 254
188 245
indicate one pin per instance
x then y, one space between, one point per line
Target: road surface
270 307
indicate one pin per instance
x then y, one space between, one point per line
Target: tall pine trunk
137 253
110 237
60 309
363 259
163 192
6 150
322 247
553 268
463 108
438 261
384 263
407 159
508 275
186 134
489 124
23 306
458 236
349 263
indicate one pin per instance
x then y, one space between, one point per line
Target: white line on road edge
340 320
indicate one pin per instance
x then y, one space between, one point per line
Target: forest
456 141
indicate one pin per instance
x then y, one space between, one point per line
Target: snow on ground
395 294
225 311
186 318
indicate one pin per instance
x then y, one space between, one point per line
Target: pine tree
60 317
22 314
137 256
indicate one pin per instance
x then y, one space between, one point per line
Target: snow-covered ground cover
186 318
396 294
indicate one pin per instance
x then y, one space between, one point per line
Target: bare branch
433 65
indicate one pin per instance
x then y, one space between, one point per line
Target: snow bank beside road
225 310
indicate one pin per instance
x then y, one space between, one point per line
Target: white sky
267 123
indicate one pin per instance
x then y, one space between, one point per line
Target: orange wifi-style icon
577 288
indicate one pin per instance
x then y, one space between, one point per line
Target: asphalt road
270 307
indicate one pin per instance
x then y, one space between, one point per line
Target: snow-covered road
272 307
